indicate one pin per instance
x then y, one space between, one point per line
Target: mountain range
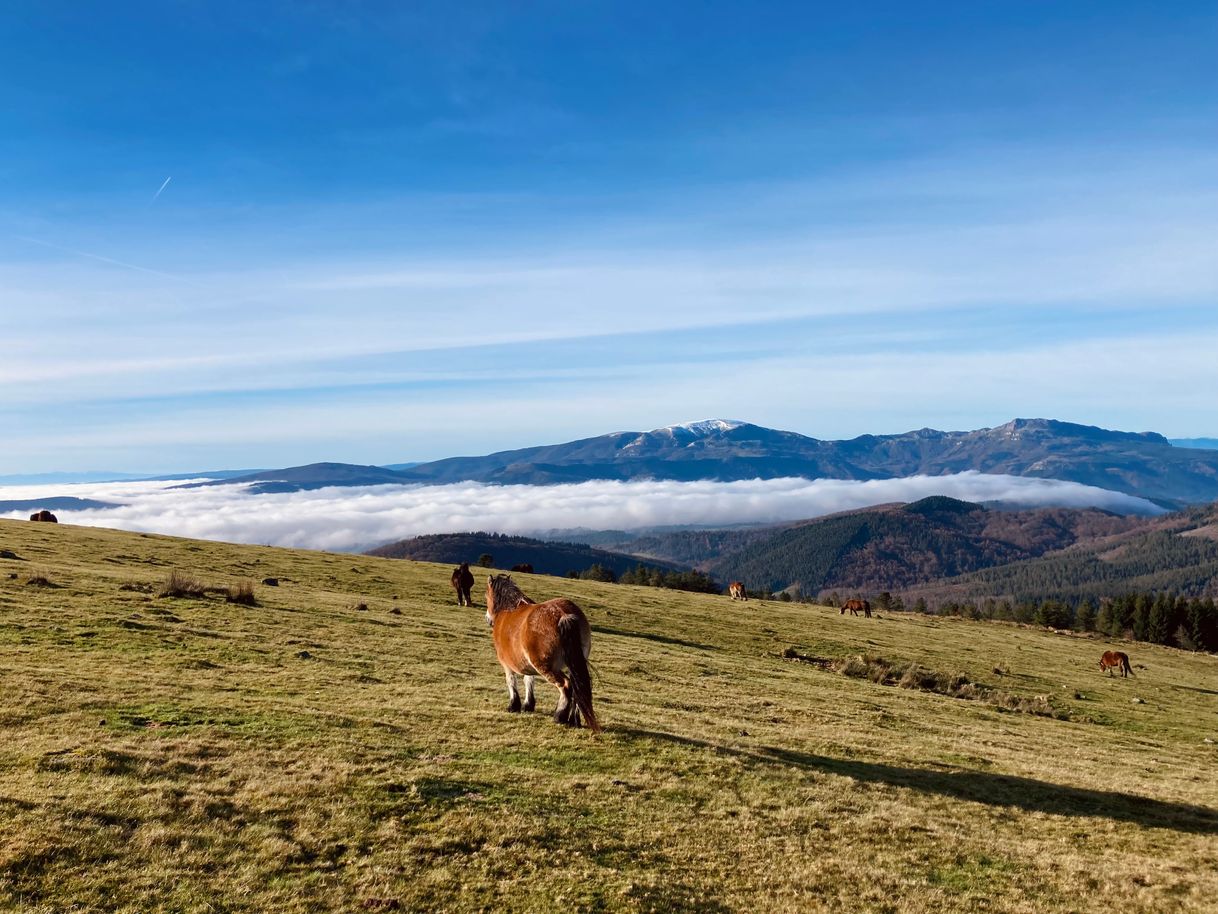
1144 464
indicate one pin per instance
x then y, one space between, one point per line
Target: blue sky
403 231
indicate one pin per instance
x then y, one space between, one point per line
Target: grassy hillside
307 754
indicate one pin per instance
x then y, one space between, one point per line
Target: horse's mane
507 594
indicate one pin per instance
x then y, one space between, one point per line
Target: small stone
303 655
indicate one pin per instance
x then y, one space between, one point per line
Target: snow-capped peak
705 427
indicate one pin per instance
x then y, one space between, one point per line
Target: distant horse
44 516
854 606
1118 660
550 639
463 581
736 589
526 568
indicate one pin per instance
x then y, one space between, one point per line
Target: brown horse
463 582
1117 660
550 639
526 568
854 606
736 589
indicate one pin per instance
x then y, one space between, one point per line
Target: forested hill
1176 553
896 547
506 551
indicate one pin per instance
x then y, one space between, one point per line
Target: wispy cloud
1034 279
356 518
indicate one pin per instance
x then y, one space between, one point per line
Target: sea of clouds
356 518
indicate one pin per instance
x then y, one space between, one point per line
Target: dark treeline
1156 617
648 576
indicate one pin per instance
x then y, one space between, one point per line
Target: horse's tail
1125 665
570 636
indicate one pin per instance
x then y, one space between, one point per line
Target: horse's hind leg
566 712
530 702
563 712
514 704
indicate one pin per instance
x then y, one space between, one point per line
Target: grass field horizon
344 745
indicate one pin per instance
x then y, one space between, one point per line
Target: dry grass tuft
179 584
40 579
241 593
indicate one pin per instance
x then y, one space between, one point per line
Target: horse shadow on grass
991 789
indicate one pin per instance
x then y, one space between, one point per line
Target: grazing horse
463 581
854 606
526 568
736 589
550 639
1118 660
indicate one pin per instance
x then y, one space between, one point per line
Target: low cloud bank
348 519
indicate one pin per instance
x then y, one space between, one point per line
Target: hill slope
545 557
1177 552
889 547
311 476
304 754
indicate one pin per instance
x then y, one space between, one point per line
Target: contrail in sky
98 257
161 188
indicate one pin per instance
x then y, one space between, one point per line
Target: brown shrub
241 593
179 584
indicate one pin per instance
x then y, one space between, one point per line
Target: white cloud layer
347 519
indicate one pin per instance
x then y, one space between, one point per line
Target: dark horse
526 568
1117 660
854 606
550 639
463 580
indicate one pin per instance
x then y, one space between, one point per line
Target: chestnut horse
550 639
736 589
1117 660
854 606
463 581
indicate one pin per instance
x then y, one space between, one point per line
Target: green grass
166 754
